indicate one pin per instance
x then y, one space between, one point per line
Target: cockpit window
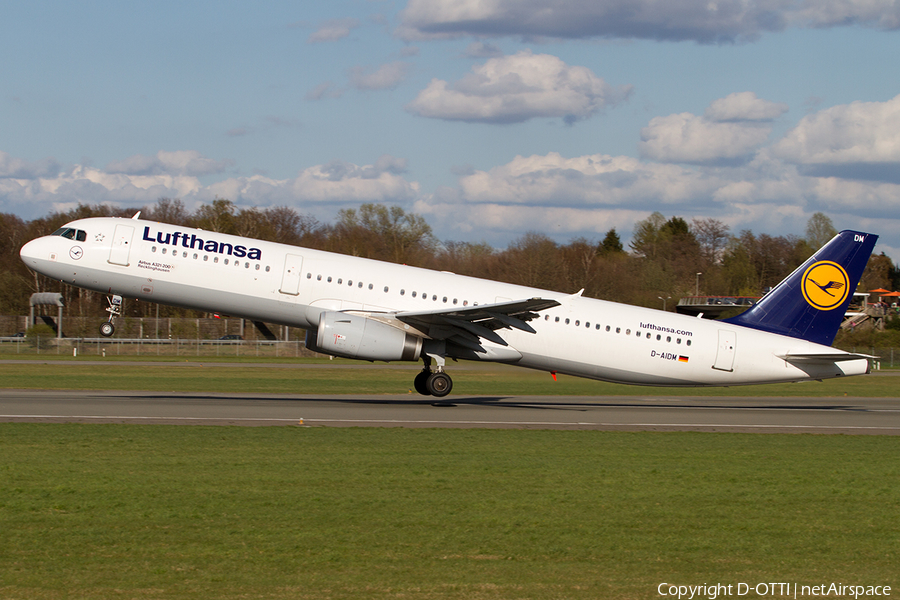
71 233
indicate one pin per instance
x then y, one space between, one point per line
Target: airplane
376 311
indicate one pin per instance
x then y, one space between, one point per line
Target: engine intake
355 336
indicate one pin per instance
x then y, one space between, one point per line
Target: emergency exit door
725 351
121 245
290 278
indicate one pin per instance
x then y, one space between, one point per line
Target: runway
855 416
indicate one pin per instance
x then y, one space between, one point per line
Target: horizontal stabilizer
825 357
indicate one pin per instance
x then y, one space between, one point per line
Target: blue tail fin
810 303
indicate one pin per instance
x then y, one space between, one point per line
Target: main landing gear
433 383
114 309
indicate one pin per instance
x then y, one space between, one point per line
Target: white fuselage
292 286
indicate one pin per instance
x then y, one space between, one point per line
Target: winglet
810 303
137 215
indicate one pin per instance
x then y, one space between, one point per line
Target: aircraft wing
467 325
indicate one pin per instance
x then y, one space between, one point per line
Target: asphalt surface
843 415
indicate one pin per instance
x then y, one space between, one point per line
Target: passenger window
578 323
567 321
225 261
386 289
215 258
607 328
627 332
618 330
413 294
689 342
164 250
267 269
328 280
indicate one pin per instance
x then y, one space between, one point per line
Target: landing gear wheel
439 384
107 329
420 382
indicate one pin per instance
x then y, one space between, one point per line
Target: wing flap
480 322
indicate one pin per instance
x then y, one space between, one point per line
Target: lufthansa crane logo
825 285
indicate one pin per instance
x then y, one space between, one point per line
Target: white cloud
516 88
324 90
385 77
744 106
333 30
720 21
180 162
730 131
597 180
855 141
337 182
882 14
16 168
687 138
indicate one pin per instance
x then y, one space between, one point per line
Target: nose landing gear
114 309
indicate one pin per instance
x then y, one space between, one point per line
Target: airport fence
175 347
887 357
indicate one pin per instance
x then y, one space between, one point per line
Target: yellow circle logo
825 285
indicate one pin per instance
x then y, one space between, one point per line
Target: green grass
360 378
124 511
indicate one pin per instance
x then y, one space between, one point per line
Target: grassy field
321 376
123 511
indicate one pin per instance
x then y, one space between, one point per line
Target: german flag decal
683 359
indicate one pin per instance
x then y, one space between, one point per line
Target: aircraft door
725 351
121 245
290 278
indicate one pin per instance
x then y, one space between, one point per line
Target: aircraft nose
34 251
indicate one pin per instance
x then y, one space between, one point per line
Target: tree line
667 258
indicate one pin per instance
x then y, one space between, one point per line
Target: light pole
664 301
697 287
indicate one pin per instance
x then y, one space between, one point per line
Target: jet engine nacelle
355 336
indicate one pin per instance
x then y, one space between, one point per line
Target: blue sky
490 119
